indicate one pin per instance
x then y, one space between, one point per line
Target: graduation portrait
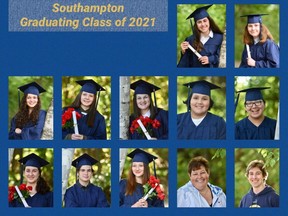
144 108
257 177
257 41
30 108
201 35
257 113
143 175
201 175
86 177
30 177
86 108
201 108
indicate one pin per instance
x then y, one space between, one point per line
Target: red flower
153 182
12 193
148 123
67 119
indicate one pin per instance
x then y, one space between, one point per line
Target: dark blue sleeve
271 52
12 133
243 63
215 52
34 132
69 198
186 59
50 199
100 132
102 201
222 129
162 131
122 190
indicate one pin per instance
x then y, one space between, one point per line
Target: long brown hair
76 104
23 117
131 180
137 112
213 26
264 35
41 187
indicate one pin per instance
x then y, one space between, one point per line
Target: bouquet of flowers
12 193
152 188
148 124
67 119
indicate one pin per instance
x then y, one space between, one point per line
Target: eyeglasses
256 103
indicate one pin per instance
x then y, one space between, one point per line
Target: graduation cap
84 159
252 94
32 160
143 87
254 18
30 88
198 14
200 87
138 155
92 87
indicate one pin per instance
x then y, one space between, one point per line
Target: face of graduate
86 99
203 25
256 178
31 174
199 104
85 174
255 109
199 178
31 100
138 169
254 29
143 102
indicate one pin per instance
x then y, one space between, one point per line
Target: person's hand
77 137
204 60
184 46
141 203
18 130
251 62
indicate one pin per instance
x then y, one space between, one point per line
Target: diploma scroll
75 122
144 130
194 51
21 197
248 51
149 192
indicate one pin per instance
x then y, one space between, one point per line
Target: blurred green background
271 22
271 96
217 164
161 94
15 166
216 11
243 157
161 167
70 89
102 169
16 81
217 95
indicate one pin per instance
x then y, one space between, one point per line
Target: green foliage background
161 167
70 89
217 163
271 96
243 157
102 169
216 11
271 22
15 166
16 81
161 94
217 95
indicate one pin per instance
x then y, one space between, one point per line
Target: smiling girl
29 121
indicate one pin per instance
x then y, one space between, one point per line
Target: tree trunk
10 156
222 60
67 158
48 126
122 157
124 106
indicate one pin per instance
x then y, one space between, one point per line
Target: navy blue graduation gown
211 127
80 196
38 200
211 50
159 133
97 132
266 55
129 200
29 131
245 129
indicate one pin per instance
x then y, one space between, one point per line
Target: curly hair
137 112
131 180
22 117
76 104
264 35
213 26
